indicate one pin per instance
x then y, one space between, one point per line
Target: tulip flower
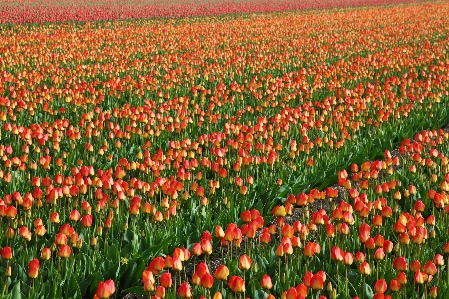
415 266
105 289
433 292
6 253
400 264
33 268
266 283
148 281
165 280
236 284
395 286
64 251
420 277
159 292
207 281
221 273
244 262
380 286
46 254
317 282
184 290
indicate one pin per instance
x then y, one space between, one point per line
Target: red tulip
365 269
207 281
6 253
64 251
74 215
380 286
395 286
159 292
105 289
33 268
401 278
196 249
430 268
438 260
415 266
165 280
420 277
266 283
336 254
86 221
379 254
184 290
400 264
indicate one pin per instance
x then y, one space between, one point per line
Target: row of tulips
388 244
118 150
26 11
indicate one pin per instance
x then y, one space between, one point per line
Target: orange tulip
64 251
236 284
244 262
365 269
148 281
222 272
317 282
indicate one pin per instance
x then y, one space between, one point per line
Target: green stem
346 280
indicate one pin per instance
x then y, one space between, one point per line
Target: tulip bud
46 254
10 233
365 269
105 289
184 290
266 282
245 262
222 272
6 253
433 292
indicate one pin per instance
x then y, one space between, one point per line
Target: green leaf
128 276
15 292
260 295
129 236
73 287
84 285
112 252
368 291
96 278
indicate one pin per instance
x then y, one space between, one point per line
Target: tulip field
209 149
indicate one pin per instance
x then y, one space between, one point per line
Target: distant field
28 11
